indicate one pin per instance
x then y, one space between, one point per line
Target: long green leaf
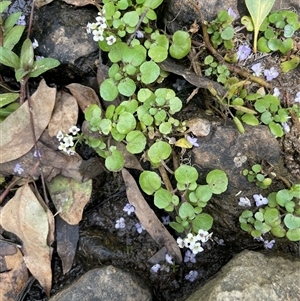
4 5
9 58
10 22
13 37
27 55
258 10
42 66
7 98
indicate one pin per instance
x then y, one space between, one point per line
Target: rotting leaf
13 271
65 114
69 197
15 130
24 216
66 237
40 3
199 127
84 95
148 218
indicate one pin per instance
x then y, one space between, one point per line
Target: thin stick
137 26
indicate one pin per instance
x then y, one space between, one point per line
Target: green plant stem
231 68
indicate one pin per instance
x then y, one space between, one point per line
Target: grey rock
253 276
60 31
103 284
180 14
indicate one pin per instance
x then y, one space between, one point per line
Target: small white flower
74 130
18 169
197 248
166 219
71 152
169 259
62 147
38 57
110 40
155 268
297 99
90 27
139 228
128 208
68 140
202 235
191 276
21 20
190 240
60 135
286 127
276 92
98 35
260 200
120 223
257 69
180 242
244 201
189 257
101 22
269 244
35 44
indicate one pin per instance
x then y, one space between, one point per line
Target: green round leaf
149 181
293 234
126 123
217 180
288 31
136 142
108 90
276 129
165 128
126 87
177 227
186 210
250 119
227 33
158 53
131 18
271 216
262 45
162 198
292 221
203 193
158 151
150 72
175 104
278 231
186 174
203 221
115 161
181 44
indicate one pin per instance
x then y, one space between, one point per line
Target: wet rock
225 148
253 276
106 283
180 14
60 31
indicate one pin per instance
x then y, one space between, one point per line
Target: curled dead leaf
13 271
24 216
80 2
69 197
65 114
200 127
84 95
148 218
15 130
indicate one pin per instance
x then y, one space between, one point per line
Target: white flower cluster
193 242
98 28
67 143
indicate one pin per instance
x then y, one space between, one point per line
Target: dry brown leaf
84 95
16 137
40 3
148 218
13 271
80 2
24 216
69 197
65 114
66 238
